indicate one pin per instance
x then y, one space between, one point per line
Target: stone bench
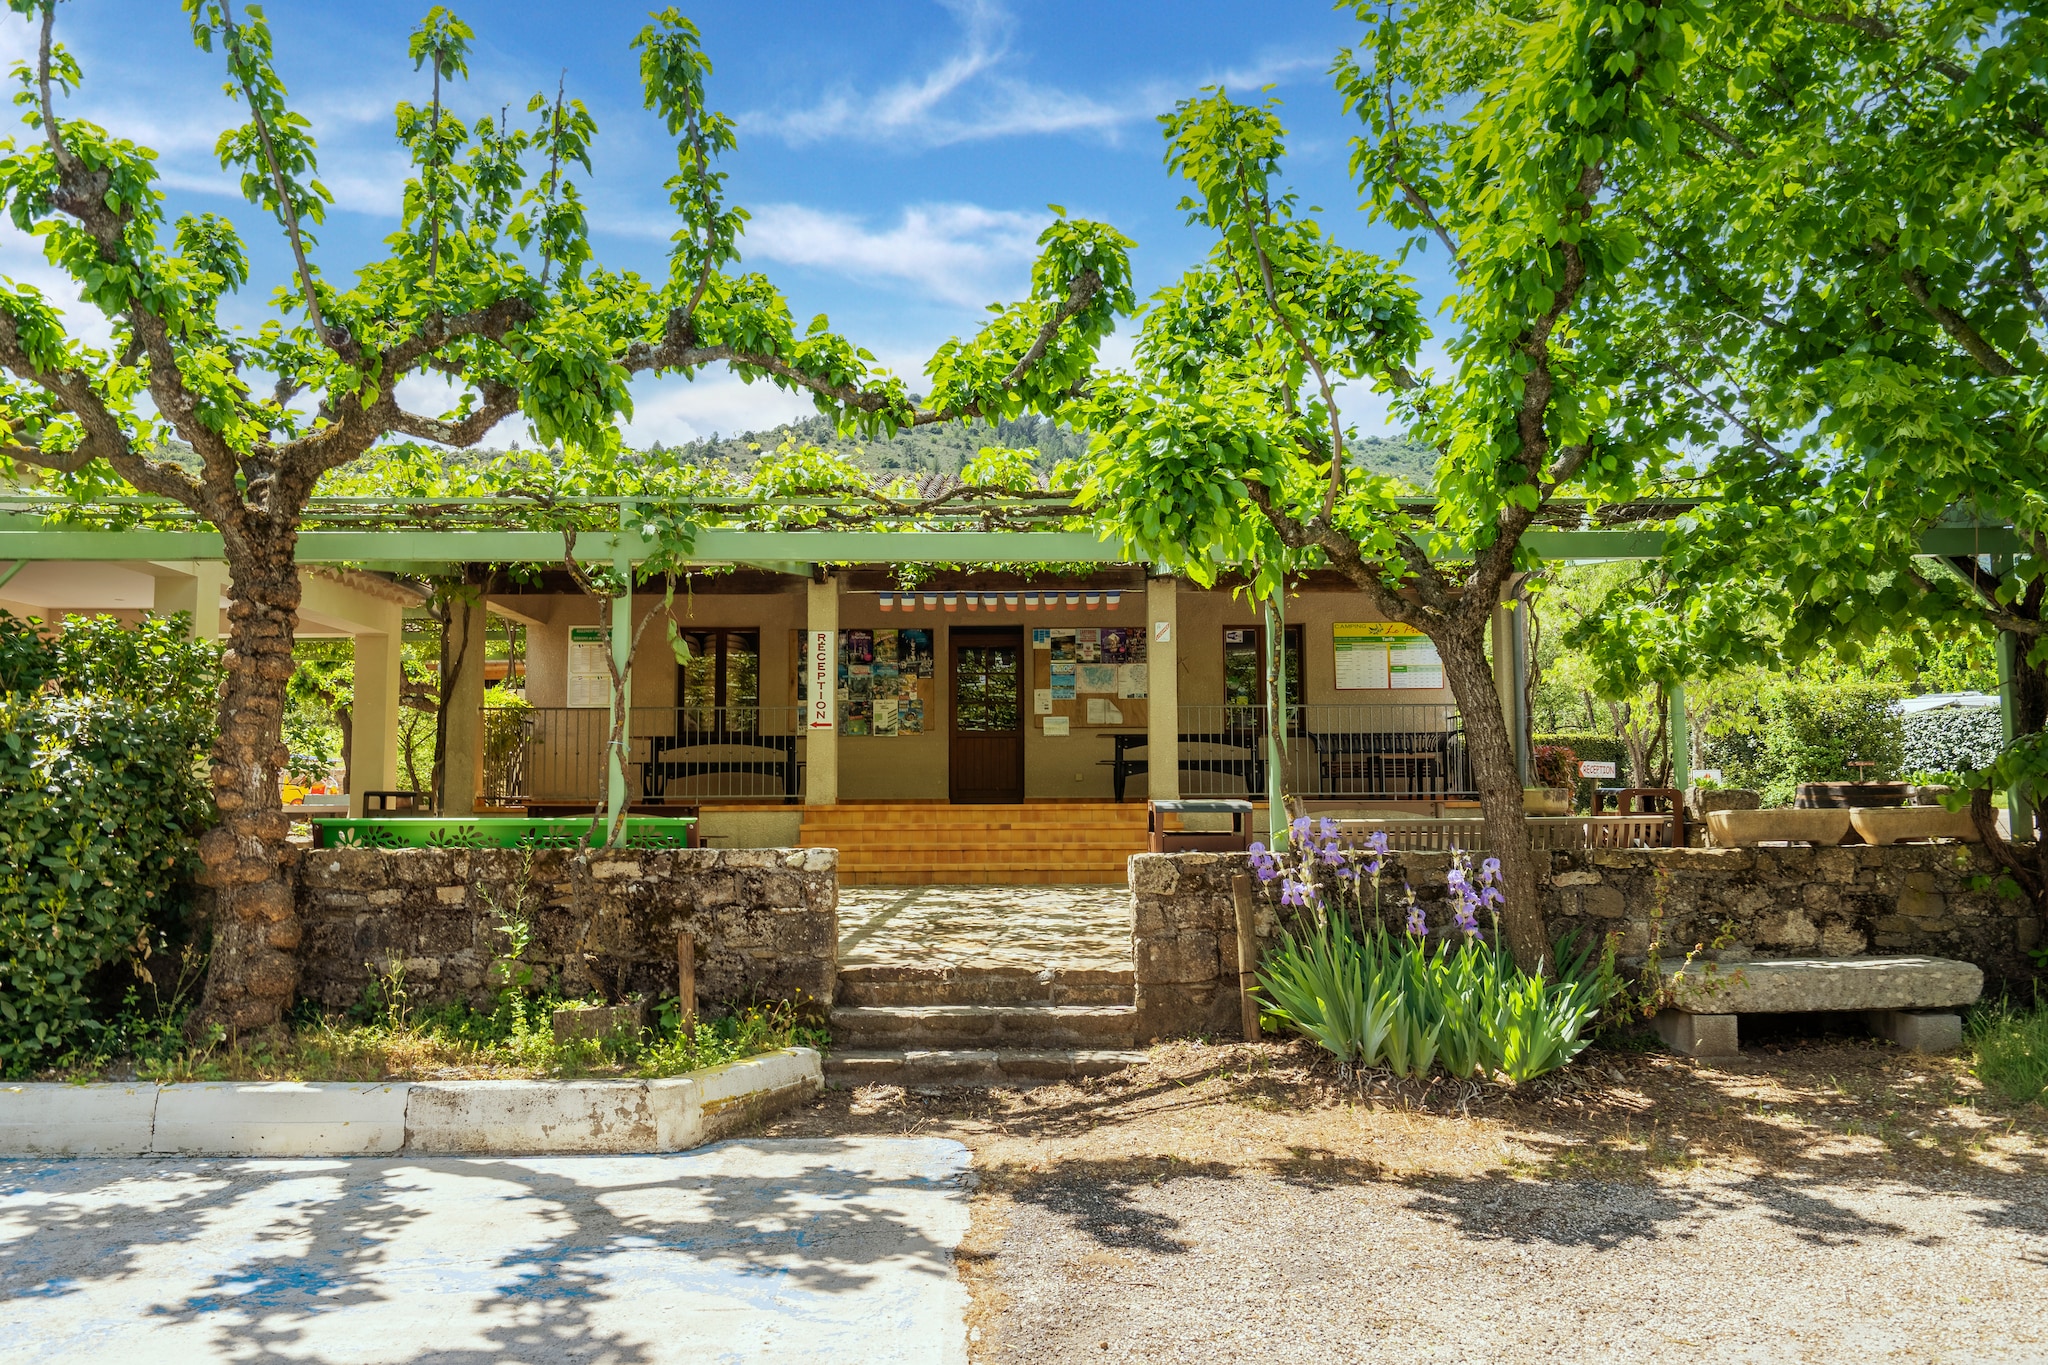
1910 1000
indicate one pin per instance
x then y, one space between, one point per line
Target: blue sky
897 155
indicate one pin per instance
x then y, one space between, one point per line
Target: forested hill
944 449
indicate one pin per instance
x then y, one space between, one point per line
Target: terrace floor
1069 927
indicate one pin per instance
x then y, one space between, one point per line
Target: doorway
986 764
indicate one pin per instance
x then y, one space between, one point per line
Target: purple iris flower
1327 828
1418 923
1262 863
1377 842
1468 923
1489 871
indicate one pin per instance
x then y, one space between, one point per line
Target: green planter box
495 831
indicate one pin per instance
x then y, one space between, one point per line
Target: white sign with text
1592 769
822 674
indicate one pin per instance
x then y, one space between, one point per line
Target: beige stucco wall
914 767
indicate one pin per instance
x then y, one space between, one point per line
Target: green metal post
615 795
1681 739
2016 803
1276 726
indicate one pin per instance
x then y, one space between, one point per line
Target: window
1244 671
1244 665
718 683
985 688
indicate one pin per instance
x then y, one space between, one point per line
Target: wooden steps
925 843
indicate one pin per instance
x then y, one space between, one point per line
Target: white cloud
966 98
675 410
959 253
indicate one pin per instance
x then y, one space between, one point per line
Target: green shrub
1589 746
1796 732
1955 739
101 793
2012 1050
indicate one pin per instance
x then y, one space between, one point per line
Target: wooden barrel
1847 795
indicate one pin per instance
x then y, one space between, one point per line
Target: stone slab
1919 1030
280 1118
976 1068
76 1120
1699 1035
1800 985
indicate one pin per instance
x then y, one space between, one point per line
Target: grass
2011 1047
384 1039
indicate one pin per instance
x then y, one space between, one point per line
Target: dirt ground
1822 1198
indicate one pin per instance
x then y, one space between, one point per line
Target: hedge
1955 739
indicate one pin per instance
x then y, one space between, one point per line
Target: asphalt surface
833 1249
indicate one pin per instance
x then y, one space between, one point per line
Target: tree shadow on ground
518 1258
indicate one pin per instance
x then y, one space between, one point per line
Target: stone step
905 874
986 986
973 1068
983 1026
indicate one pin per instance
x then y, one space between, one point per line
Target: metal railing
687 754
1378 752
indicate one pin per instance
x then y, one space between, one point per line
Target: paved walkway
811 1250
1086 927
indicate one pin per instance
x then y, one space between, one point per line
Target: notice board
886 681
1089 677
1374 656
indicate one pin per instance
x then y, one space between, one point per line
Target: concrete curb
423 1118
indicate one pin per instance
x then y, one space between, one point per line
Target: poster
1088 644
1063 679
884 721
1056 725
1096 678
1103 712
1041 701
883 681
1131 680
1062 644
1122 644
590 683
1041 638
1414 663
1377 655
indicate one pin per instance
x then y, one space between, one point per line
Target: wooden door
987 760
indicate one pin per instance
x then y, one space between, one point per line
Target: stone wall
1933 899
765 922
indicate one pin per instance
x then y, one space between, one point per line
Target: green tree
488 281
1492 139
1842 264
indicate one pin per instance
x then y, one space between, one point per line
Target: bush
1589 746
1955 739
1798 732
101 793
1557 765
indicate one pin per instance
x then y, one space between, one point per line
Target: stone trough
1910 1000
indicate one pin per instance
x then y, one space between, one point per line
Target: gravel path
1213 1267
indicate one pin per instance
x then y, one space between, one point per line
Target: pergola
348 545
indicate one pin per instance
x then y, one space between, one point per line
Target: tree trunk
1492 751
254 969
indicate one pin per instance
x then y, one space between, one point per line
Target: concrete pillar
197 587
373 752
462 755
1162 689
821 670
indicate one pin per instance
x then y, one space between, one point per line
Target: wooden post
1247 956
686 981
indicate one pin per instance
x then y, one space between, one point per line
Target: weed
2011 1047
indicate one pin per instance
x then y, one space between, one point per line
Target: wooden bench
1911 1000
771 756
1370 762
1251 766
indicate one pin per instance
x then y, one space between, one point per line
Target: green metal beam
417 550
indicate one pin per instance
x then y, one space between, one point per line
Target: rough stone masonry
764 922
1740 903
